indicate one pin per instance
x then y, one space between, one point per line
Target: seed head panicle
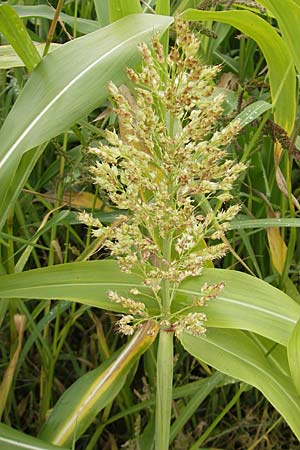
168 162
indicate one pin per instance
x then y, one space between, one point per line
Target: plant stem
164 390
164 369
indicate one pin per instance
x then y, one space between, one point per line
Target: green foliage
280 65
15 32
70 350
61 94
11 439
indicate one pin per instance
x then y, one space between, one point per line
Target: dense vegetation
149 225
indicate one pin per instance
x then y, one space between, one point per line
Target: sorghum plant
170 168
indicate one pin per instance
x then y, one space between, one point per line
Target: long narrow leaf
281 69
236 354
84 282
287 13
84 26
80 404
253 111
68 84
11 439
293 349
26 165
102 11
121 8
243 223
16 34
246 302
9 58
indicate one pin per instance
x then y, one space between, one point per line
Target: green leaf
293 350
84 282
26 165
246 303
102 11
163 7
16 34
243 223
68 84
80 404
252 112
193 404
122 8
287 13
11 439
9 58
236 354
281 70
84 26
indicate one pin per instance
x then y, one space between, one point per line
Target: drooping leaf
280 64
84 282
122 8
6 383
245 223
80 404
236 354
11 439
287 13
9 58
84 26
252 112
245 303
68 84
278 248
293 350
16 34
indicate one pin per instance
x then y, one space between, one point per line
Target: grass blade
287 13
80 404
293 350
243 223
16 34
11 439
246 302
84 26
236 354
85 282
122 8
9 58
281 71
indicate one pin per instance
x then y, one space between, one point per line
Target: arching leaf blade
246 303
287 13
80 404
281 67
236 354
15 32
83 26
83 282
11 439
293 351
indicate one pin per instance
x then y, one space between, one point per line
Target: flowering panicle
169 167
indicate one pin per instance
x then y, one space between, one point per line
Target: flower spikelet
170 168
192 323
